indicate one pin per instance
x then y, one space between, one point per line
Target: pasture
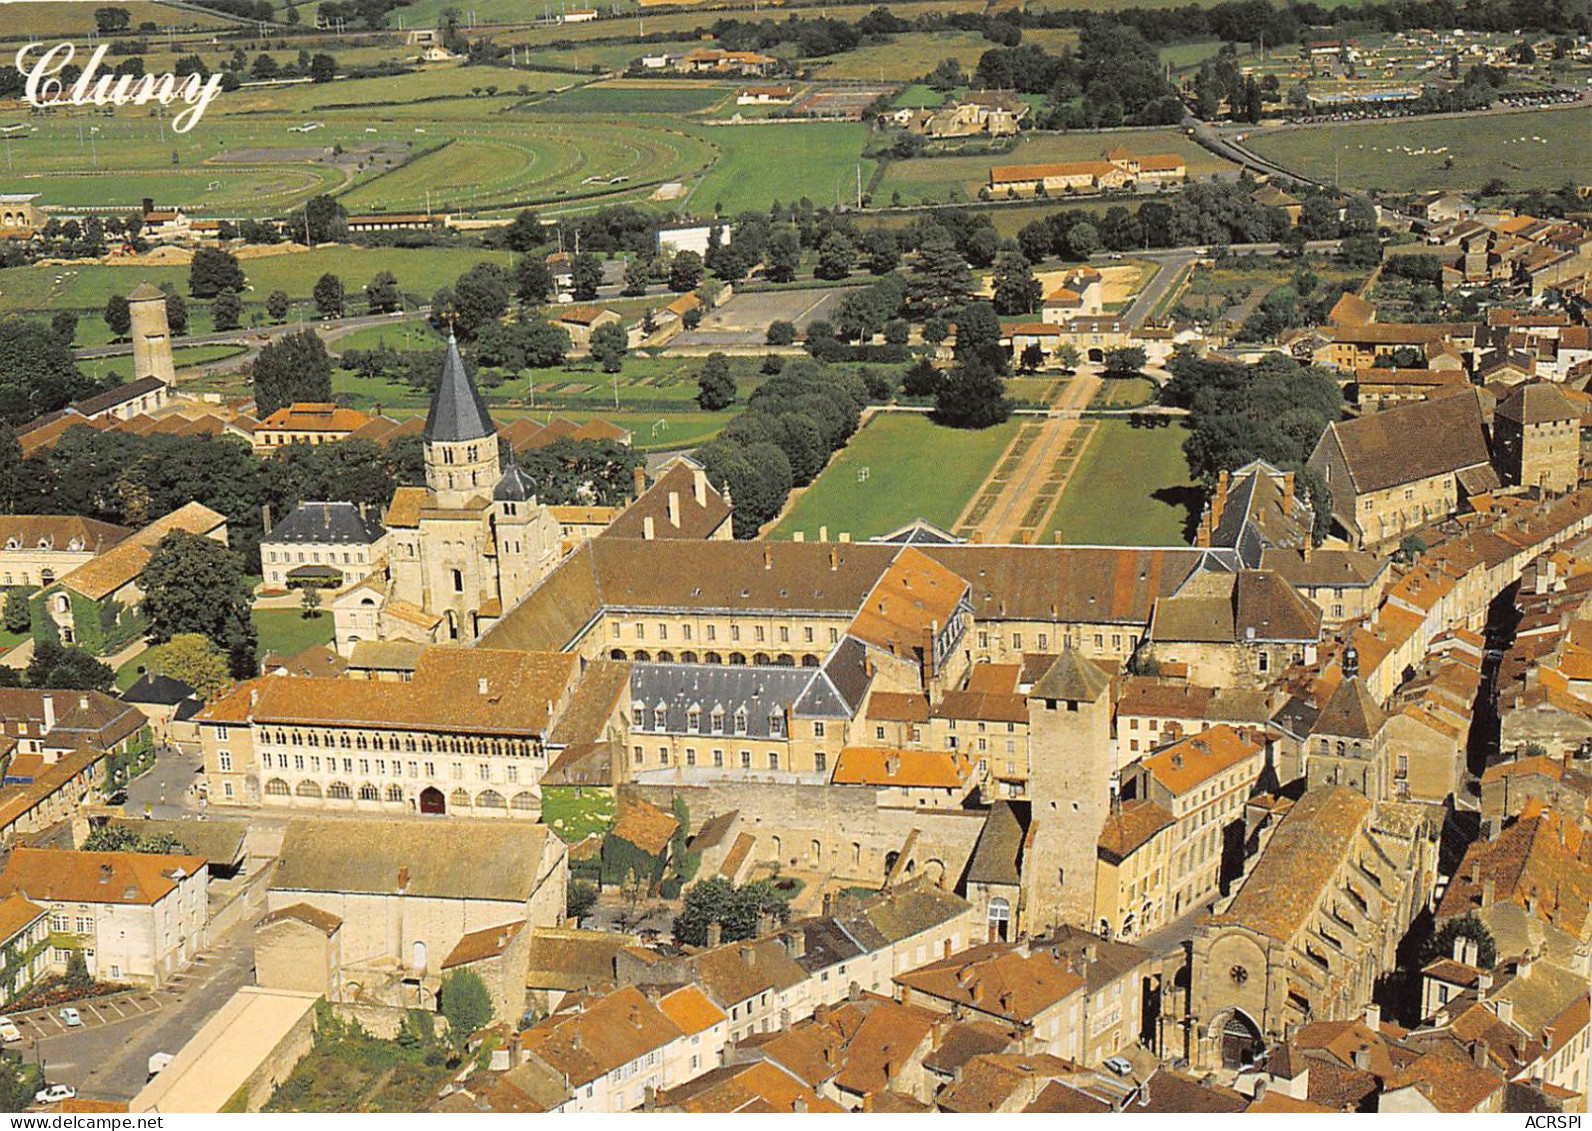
941 179
639 97
914 469
758 165
1132 488
1530 149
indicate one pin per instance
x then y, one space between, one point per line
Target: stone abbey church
461 549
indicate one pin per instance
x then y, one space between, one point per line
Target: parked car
9 1031
54 1094
158 1062
70 1017
1121 1065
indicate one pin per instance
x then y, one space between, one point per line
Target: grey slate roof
157 689
997 857
457 410
1073 677
516 486
323 523
759 692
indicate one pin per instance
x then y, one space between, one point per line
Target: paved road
108 1058
164 791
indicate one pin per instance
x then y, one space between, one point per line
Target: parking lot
743 320
42 1024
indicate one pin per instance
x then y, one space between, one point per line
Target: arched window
368 792
307 789
276 787
339 791
395 793
459 799
999 919
490 799
523 802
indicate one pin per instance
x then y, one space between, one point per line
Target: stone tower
1070 780
461 444
525 534
1537 439
151 334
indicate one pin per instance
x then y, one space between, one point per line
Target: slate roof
516 486
157 689
1072 677
760 693
1351 712
457 410
997 857
326 523
1411 442
119 395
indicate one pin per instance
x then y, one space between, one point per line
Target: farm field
69 17
938 179
906 56
452 83
1476 150
756 166
915 469
1132 488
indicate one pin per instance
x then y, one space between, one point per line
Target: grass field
286 631
938 179
182 357
759 165
420 271
1483 146
905 57
916 469
1132 488
635 98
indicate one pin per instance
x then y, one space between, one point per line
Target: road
108 1058
256 336
163 792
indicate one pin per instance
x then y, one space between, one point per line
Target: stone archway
432 802
1236 1038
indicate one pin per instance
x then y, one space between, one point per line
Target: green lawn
916 469
1132 489
758 165
1124 392
1456 155
286 631
635 98
573 814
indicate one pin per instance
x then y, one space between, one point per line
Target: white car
9 1031
54 1094
70 1017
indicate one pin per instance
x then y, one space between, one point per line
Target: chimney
635 1017
1524 965
1362 1059
715 933
834 560
481 685
640 480
1373 1017
254 697
646 528
768 558
49 713
1505 1010
798 1106
823 533
699 486
105 872
403 880
892 764
1478 1052
674 509
1260 1090
82 702
1487 892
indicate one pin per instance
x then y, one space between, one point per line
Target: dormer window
637 716
717 721
659 718
740 721
693 721
776 725
13 544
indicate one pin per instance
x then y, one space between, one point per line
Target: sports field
1531 149
1132 488
914 469
761 164
939 179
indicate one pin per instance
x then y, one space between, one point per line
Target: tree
323 67
382 293
1016 289
276 306
77 977
978 337
480 296
638 274
685 272
310 602
940 276
783 256
971 395
716 385
18 615
194 584
63 324
214 271
533 280
37 371
1068 356
1441 944
323 220
125 838
921 380
109 21
1083 240
580 898
176 313
1125 360
609 344
466 1003
194 660
735 910
525 232
293 368
227 311
118 316
780 333
1032 358
67 666
328 296
591 472
837 255
586 275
